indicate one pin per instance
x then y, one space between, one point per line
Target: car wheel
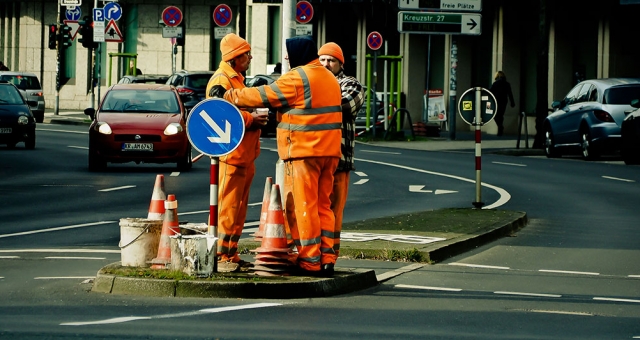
186 162
588 151
95 162
30 142
629 156
549 148
11 144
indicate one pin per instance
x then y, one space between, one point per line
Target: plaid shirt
352 99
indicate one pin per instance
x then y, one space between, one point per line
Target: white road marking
512 164
567 272
118 188
528 294
360 173
362 181
55 130
9 257
429 288
74 258
386 152
478 266
418 188
393 273
504 195
558 312
175 315
635 276
108 251
78 147
63 277
56 229
619 179
174 174
615 300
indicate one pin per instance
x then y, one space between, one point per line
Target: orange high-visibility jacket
249 148
308 99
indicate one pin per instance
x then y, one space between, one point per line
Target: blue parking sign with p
98 14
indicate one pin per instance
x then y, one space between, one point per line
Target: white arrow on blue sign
215 127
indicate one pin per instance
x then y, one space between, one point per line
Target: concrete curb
237 285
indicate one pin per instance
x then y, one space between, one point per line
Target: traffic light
180 40
65 36
53 30
86 31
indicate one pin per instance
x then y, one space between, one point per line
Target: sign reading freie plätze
445 5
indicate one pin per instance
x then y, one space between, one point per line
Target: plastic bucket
193 254
139 239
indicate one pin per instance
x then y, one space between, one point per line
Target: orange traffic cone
266 197
274 256
170 227
156 208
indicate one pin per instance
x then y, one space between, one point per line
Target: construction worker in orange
236 169
308 136
331 57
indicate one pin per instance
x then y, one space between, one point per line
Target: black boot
327 269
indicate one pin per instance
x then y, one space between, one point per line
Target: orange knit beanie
333 50
232 46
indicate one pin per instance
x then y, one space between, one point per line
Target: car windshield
622 95
140 101
9 96
198 81
22 82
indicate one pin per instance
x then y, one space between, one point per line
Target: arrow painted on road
420 188
225 136
473 24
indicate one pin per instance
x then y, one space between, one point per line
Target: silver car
589 117
29 83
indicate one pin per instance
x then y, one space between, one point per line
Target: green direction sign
439 23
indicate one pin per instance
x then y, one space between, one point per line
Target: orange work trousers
233 194
308 183
331 238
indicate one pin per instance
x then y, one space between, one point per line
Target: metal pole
56 109
213 205
98 63
288 29
478 124
425 112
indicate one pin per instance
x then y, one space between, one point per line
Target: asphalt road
572 273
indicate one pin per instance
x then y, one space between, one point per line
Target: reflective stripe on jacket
249 148
308 99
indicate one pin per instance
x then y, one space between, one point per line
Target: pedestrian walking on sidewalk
237 169
308 100
331 57
501 89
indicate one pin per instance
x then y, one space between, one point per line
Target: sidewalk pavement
351 274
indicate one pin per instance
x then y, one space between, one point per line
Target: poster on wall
436 110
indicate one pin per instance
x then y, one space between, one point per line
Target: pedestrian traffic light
65 36
86 31
180 39
53 30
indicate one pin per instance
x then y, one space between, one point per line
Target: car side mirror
91 112
635 103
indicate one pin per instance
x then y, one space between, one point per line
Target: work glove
217 91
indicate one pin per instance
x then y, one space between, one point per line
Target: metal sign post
215 128
476 104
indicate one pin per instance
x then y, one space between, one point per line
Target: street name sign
71 3
439 23
446 5
215 127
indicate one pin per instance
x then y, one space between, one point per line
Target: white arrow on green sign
439 23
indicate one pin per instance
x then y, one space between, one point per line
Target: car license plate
137 147
5 130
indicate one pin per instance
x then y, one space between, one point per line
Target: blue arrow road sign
73 14
215 127
112 11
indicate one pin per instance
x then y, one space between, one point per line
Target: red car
141 123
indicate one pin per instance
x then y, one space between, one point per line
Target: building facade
577 39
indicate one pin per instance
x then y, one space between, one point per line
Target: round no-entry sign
172 16
222 15
374 40
304 12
